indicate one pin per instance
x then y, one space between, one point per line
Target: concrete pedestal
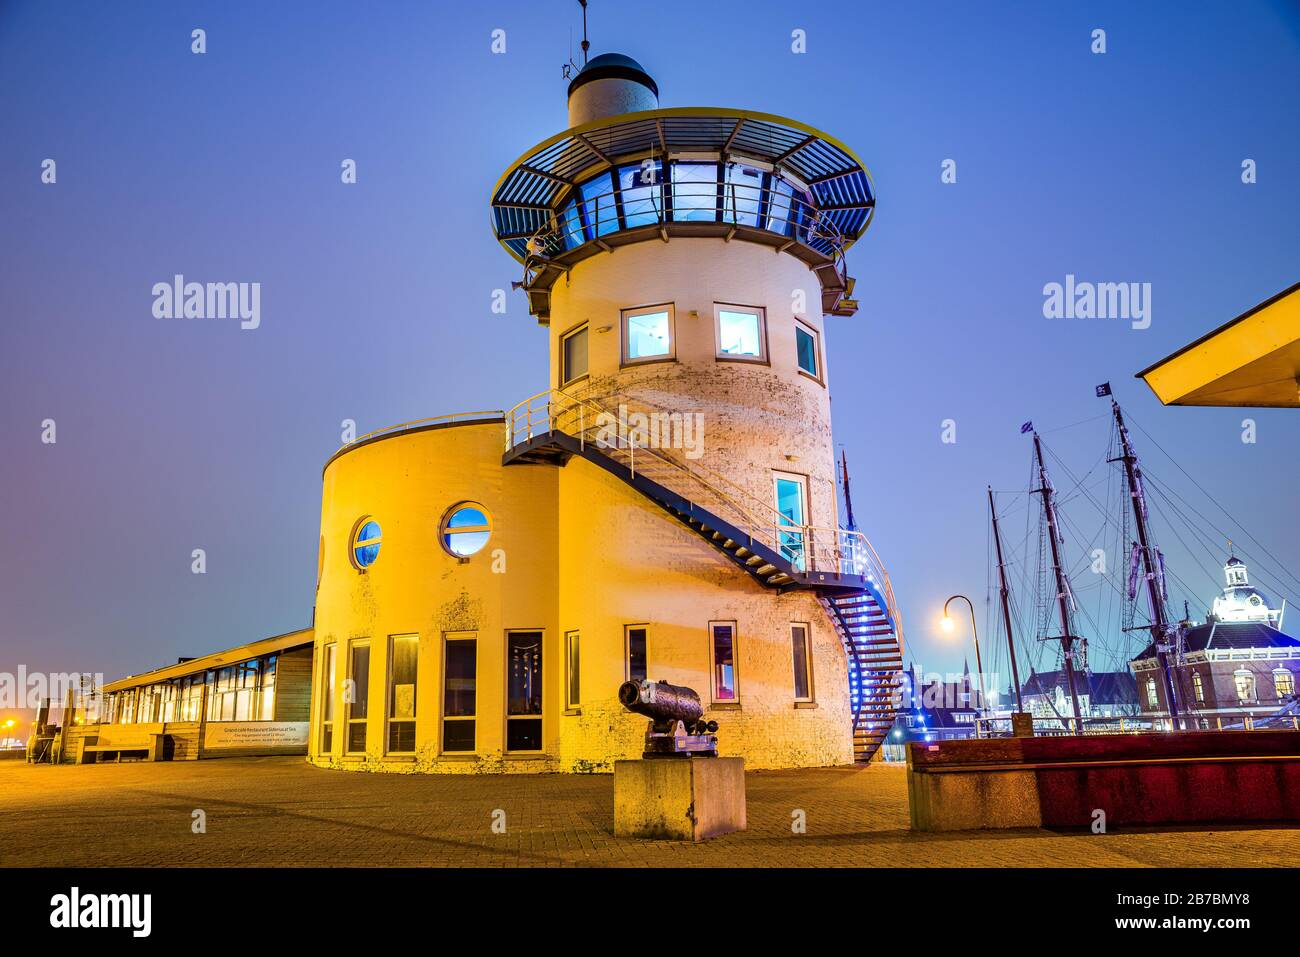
679 799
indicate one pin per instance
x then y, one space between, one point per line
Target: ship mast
1006 606
1063 596
1161 630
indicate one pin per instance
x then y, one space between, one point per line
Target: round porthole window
366 542
466 529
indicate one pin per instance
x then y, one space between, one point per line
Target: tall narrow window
573 356
524 691
722 645
327 701
573 689
1198 687
266 689
741 192
740 331
647 334
634 637
358 697
1245 682
459 692
403 663
802 661
792 506
1153 702
807 349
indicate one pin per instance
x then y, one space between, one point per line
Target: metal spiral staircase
838 564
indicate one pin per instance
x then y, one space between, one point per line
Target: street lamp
949 624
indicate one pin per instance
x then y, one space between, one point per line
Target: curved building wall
757 416
573 550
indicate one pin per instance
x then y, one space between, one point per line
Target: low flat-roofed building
250 700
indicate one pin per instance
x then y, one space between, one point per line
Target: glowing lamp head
946 623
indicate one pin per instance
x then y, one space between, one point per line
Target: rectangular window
722 647
634 637
1198 687
803 690
780 205
573 356
695 192
403 664
808 350
459 692
1153 701
647 333
573 690
792 505
358 700
1284 683
524 691
641 192
327 701
741 332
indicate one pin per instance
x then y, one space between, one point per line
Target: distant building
1237 667
937 709
1102 694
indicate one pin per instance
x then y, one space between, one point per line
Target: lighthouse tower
663 509
685 261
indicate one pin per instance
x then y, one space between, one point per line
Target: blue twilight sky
1123 166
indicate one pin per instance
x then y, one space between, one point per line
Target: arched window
466 529
366 542
1284 682
1245 682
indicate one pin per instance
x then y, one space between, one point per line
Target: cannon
677 725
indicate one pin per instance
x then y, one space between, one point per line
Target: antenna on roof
571 67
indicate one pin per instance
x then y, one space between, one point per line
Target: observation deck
695 171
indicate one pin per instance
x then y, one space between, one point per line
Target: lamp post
948 625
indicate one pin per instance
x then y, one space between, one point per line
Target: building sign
255 734
129 737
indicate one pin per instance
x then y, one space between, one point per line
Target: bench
153 751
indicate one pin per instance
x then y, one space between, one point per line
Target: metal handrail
415 423
799 219
826 549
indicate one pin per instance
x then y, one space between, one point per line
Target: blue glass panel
467 517
571 226
780 204
695 192
598 205
807 348
642 191
744 187
369 531
366 554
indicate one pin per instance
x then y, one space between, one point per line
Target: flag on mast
1103 390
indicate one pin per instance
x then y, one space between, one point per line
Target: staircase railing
809 548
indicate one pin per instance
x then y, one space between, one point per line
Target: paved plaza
282 812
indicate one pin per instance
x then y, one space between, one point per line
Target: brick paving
283 812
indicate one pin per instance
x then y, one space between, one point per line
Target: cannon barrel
661 701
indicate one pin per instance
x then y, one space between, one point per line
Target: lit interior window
365 546
466 530
598 207
647 333
740 333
